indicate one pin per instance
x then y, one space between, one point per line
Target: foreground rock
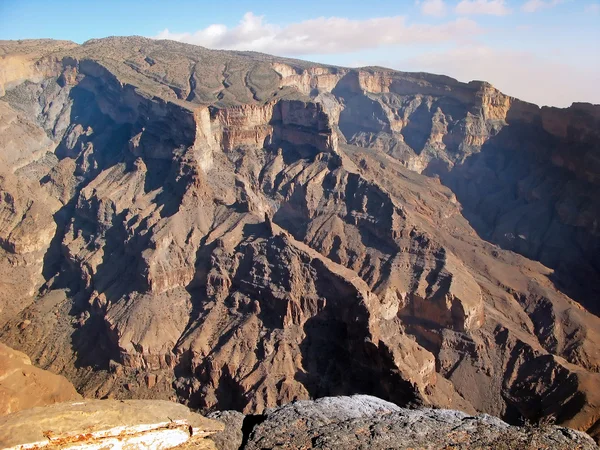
99 424
364 422
23 385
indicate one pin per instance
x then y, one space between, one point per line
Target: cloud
489 7
536 5
521 74
435 8
324 35
592 8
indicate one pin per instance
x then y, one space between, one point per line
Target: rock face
24 386
362 421
100 424
359 421
232 436
238 231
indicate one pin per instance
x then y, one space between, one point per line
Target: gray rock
231 437
335 409
364 422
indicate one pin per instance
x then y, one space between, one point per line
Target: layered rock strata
100 424
237 231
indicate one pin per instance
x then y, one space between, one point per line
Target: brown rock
23 385
135 424
151 379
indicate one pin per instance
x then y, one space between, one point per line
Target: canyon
237 231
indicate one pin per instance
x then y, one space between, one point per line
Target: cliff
237 231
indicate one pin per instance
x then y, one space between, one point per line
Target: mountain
236 231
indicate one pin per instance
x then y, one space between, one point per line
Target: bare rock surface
364 422
238 231
232 436
24 386
135 424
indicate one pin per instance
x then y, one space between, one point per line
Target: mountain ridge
300 63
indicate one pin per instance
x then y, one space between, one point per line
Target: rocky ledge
366 422
356 422
107 424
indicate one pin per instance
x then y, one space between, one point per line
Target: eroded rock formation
361 421
238 231
101 424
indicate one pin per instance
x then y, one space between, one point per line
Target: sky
543 51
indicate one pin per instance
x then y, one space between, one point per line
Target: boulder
101 424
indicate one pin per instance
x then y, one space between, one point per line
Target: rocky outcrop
233 435
361 421
24 386
98 424
209 227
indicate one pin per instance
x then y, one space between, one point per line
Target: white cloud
521 74
536 5
324 35
490 7
592 8
435 8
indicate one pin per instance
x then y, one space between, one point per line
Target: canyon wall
237 231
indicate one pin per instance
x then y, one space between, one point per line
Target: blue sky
544 51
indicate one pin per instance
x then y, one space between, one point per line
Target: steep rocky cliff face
238 231
526 177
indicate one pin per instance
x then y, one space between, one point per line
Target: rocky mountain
238 231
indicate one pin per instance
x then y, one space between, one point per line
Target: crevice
248 425
192 85
250 88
